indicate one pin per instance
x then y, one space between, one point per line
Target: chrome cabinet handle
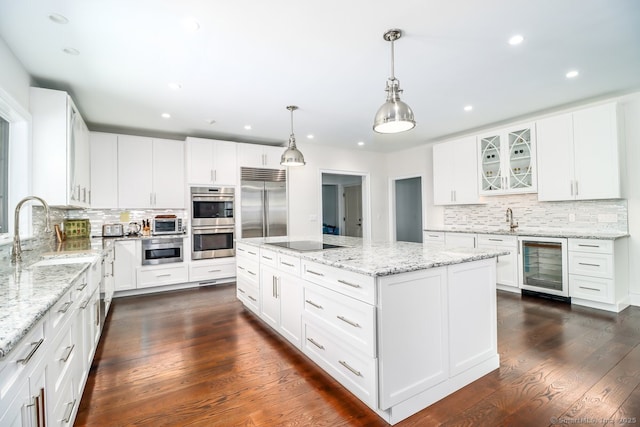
287 264
214 271
36 345
65 307
252 299
67 413
353 285
312 341
251 272
318 306
252 253
241 290
82 286
266 257
346 365
350 322
163 275
315 272
68 351
588 246
589 289
240 267
84 304
591 265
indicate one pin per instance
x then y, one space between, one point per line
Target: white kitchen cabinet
161 275
455 172
214 271
578 155
598 273
126 258
61 157
507 265
211 162
248 276
507 161
433 237
460 240
104 170
150 173
259 156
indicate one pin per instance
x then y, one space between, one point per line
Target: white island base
398 342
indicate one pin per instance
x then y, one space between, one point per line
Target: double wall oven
212 222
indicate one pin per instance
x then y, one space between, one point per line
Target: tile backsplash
528 212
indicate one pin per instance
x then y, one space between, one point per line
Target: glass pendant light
292 156
394 116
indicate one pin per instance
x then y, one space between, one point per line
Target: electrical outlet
607 217
572 217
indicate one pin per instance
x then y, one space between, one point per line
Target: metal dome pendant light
394 116
292 156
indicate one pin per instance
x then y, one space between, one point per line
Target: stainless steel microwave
163 225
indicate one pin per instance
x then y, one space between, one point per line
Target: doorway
343 202
408 209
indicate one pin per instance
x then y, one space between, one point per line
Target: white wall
14 79
305 186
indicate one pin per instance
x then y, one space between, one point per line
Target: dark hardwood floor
197 358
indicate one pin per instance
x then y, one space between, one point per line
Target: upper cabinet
61 157
211 162
507 161
259 156
104 170
455 172
578 155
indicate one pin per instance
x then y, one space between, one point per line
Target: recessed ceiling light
468 107
516 40
191 25
166 115
572 74
58 19
247 127
360 143
71 51
310 136
175 86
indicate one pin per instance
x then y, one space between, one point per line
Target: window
4 175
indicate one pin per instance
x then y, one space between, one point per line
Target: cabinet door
124 265
291 308
555 158
225 169
459 240
168 174
199 161
250 155
520 169
595 139
135 171
491 164
270 296
272 156
465 171
104 170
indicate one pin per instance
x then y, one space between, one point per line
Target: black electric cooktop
304 245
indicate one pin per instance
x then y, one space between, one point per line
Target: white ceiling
252 58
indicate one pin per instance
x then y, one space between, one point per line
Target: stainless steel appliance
166 225
544 267
211 206
112 230
263 202
162 250
212 242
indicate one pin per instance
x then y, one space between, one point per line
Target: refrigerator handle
265 204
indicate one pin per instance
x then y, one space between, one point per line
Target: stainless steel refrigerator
263 202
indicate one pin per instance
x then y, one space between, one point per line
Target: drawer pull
591 265
312 341
590 289
346 365
68 351
214 271
67 413
82 286
287 264
251 272
241 290
253 253
240 267
495 240
353 285
350 322
315 272
252 298
588 246
65 307
163 275
240 249
36 345
84 304
318 306
266 257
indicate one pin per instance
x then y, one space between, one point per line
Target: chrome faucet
16 254
512 226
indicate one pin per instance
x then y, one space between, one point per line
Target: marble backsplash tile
528 212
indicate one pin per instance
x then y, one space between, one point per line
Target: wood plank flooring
198 358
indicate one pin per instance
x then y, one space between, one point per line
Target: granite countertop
533 232
28 291
378 258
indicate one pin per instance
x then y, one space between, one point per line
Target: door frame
366 198
392 202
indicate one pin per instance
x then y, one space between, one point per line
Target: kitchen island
400 325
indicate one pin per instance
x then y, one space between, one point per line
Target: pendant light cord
393 75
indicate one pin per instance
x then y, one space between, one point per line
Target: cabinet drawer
268 257
591 288
355 285
64 357
248 293
351 320
353 370
591 245
247 251
433 237
159 276
60 312
497 240
208 271
289 264
248 268
63 412
591 264
26 354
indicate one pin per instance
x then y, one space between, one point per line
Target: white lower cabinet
248 276
210 272
127 257
597 273
460 240
507 265
161 275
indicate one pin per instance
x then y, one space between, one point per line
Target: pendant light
292 156
394 116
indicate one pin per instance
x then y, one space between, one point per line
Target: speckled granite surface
573 234
379 258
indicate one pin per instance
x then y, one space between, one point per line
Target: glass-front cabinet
507 161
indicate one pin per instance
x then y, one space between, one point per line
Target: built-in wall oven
212 222
544 266
162 250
